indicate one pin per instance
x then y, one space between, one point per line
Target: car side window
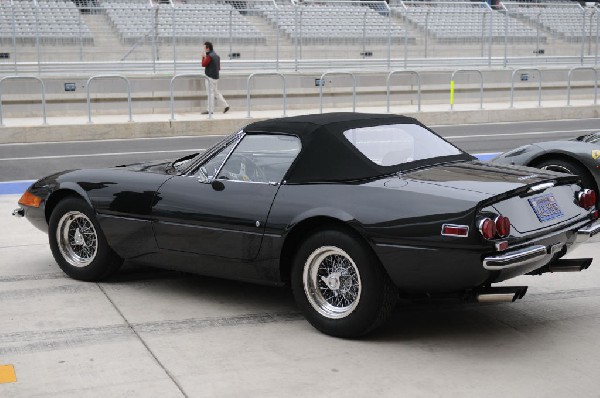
208 170
263 158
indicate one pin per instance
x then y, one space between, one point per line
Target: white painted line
522 122
113 140
516 134
102 154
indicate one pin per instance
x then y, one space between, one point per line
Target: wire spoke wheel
77 239
559 168
332 282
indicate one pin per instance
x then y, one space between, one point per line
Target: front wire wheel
77 239
78 243
340 285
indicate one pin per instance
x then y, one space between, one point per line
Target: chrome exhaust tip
496 298
570 265
502 294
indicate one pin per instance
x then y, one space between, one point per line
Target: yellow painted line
7 374
451 92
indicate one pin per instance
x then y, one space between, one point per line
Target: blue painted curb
18 187
14 187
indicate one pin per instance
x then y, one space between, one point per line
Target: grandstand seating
194 23
57 21
461 22
321 23
566 21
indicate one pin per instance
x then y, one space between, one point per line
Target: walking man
212 64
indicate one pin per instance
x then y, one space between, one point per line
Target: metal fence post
397 72
174 41
452 86
14 34
337 73
89 102
582 35
37 38
595 83
512 85
283 79
42 85
171 86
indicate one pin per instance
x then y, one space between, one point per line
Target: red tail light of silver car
586 199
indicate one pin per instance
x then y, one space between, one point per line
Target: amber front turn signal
29 199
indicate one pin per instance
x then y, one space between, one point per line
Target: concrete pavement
154 333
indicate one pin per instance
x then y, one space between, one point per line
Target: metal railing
190 75
283 79
42 85
480 87
398 72
322 83
512 85
595 83
419 78
89 102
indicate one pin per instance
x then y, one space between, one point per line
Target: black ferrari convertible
351 210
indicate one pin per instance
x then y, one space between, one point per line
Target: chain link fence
168 36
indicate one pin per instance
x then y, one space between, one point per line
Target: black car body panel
170 215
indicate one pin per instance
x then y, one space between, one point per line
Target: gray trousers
213 94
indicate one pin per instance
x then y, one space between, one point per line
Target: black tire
78 244
364 293
565 166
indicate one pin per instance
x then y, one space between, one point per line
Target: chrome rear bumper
587 232
515 258
536 253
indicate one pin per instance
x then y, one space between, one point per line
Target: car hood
484 178
156 166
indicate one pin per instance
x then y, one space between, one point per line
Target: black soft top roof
327 156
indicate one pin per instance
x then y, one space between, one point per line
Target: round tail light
587 198
487 227
502 226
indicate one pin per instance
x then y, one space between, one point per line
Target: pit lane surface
155 333
32 161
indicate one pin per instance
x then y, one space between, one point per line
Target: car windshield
394 144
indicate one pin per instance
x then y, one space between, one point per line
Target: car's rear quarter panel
402 221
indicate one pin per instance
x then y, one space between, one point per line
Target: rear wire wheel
340 286
569 167
78 244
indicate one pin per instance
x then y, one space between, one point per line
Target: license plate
545 207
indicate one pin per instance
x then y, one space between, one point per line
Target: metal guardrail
283 79
595 83
398 72
25 78
322 83
512 85
89 102
452 86
193 75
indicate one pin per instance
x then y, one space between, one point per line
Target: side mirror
217 185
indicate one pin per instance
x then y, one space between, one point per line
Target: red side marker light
455 230
501 246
